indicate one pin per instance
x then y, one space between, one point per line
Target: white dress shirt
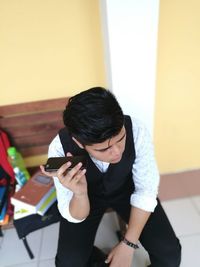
145 173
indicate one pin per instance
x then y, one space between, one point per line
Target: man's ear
77 142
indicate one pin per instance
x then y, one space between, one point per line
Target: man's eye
103 150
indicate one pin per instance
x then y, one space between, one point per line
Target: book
3 190
33 194
47 203
3 212
5 220
21 213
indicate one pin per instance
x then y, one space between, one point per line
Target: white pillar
130 38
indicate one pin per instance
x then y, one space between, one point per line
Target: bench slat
34 150
31 119
32 126
42 128
35 140
30 107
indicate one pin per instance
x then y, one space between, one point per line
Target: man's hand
73 179
120 256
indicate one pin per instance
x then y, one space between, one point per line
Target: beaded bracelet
130 244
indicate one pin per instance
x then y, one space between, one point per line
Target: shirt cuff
66 214
143 202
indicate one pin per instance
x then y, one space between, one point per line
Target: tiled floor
180 195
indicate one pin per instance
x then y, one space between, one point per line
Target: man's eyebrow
104 149
121 138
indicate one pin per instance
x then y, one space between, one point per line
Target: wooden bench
31 126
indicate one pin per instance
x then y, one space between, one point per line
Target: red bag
7 177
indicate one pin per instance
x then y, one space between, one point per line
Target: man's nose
116 150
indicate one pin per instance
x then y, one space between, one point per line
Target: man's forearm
137 221
79 206
122 254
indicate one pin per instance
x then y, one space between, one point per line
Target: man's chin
117 160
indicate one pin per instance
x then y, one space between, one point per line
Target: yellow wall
177 111
49 49
52 48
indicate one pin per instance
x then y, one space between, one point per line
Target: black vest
117 181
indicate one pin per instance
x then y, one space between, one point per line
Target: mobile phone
53 164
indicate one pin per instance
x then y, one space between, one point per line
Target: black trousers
158 238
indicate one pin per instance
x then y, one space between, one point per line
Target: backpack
7 177
33 222
30 223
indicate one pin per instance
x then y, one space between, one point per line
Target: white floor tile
106 236
141 258
183 216
26 264
47 263
190 251
106 239
196 201
11 243
1 239
49 242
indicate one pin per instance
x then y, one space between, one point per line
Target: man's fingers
109 258
75 170
49 174
79 176
62 170
65 175
69 154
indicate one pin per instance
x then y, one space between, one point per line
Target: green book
47 203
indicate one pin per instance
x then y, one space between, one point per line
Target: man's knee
173 256
176 254
72 258
168 256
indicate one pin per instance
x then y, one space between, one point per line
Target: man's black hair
93 116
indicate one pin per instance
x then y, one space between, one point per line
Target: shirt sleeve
64 195
145 172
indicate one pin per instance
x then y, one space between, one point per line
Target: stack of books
3 205
35 197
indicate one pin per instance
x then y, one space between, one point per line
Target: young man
121 173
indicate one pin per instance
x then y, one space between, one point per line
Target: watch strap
130 244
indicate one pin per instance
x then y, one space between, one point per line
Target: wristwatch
130 244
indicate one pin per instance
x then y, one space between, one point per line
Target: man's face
110 150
